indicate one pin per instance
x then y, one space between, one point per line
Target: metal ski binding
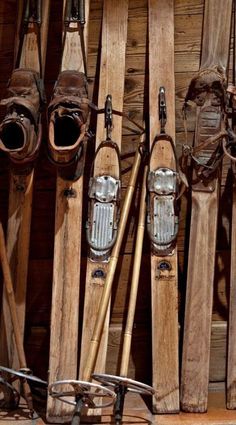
85 395
104 199
162 214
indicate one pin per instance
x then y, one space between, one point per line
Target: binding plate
162 218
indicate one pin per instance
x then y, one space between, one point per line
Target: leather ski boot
20 131
67 115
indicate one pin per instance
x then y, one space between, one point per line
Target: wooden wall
188 24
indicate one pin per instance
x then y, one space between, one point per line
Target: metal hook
162 109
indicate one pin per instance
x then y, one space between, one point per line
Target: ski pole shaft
135 280
96 337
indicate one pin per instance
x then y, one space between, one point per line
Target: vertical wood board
111 81
164 286
64 337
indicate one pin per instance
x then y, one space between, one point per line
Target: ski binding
104 199
162 182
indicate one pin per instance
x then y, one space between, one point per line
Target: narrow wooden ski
31 57
231 360
162 173
106 169
231 367
208 91
67 147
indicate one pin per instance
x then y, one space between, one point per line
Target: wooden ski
231 367
21 181
64 338
231 359
164 279
112 71
207 90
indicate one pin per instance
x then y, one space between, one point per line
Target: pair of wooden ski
114 33
65 300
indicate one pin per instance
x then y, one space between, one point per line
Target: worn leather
69 102
207 81
208 91
21 121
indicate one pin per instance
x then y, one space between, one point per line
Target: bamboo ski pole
96 337
13 313
135 280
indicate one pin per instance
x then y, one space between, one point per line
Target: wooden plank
63 356
164 287
19 214
231 374
203 233
112 68
7 34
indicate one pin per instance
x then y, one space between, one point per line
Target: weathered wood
231 368
63 356
18 237
41 249
9 290
19 213
112 68
203 232
164 286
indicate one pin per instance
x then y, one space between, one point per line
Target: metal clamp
108 116
162 109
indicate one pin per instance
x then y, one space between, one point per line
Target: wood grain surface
111 81
19 213
63 356
164 286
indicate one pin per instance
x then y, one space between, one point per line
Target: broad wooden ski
68 116
162 215
106 170
20 136
208 91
